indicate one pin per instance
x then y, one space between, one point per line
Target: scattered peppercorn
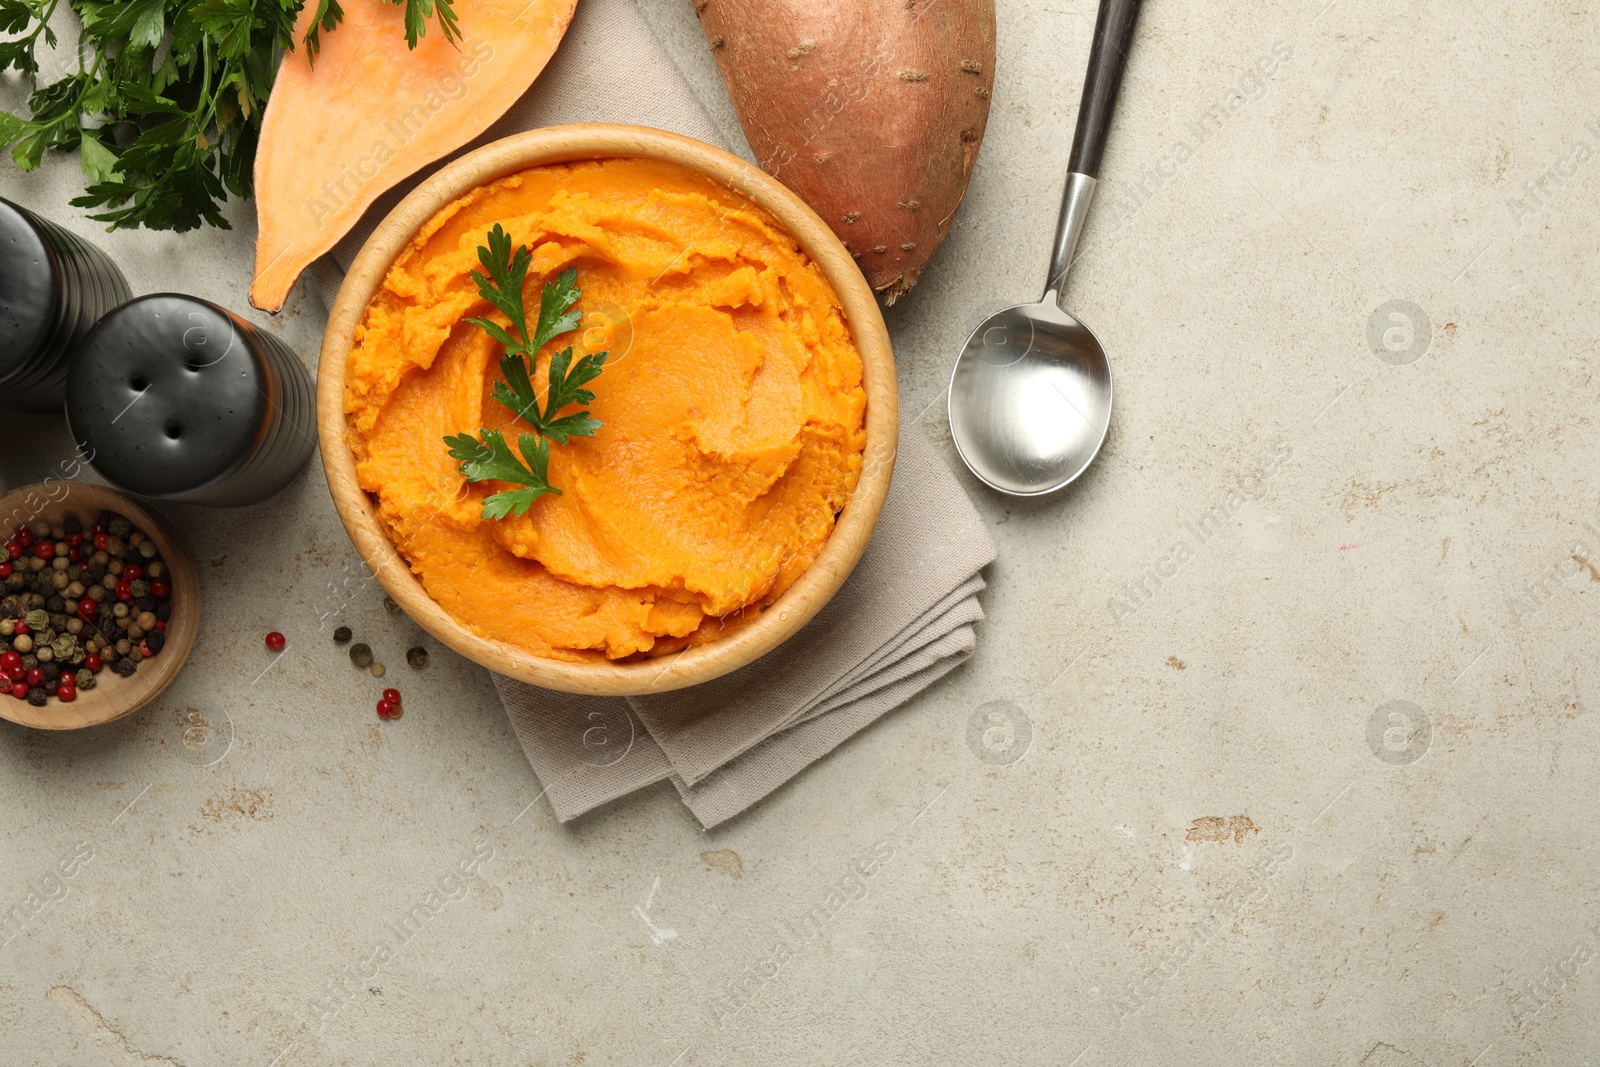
417 657
377 670
361 655
276 641
342 635
390 606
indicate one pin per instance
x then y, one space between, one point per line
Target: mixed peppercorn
74 600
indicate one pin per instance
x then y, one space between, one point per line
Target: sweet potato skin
871 110
340 132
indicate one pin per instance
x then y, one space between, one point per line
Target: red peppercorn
23 628
5 570
74 539
36 676
276 641
124 589
9 660
20 690
392 695
160 588
161 626
133 572
74 556
144 650
101 540
13 550
45 550
24 536
19 673
385 709
67 693
96 529
88 610
93 662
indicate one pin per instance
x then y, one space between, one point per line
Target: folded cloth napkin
901 621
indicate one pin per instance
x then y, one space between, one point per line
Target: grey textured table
1285 749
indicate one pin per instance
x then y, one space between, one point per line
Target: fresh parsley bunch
487 457
165 107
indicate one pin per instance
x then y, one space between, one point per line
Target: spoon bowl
1030 399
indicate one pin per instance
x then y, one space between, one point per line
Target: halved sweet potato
370 112
871 110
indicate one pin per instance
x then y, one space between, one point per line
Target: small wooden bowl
564 144
113 695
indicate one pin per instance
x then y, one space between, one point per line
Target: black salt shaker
53 287
175 398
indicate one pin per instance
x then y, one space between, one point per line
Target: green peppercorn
360 655
417 657
140 588
340 636
119 526
86 679
37 619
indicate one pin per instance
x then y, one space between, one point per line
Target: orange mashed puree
732 406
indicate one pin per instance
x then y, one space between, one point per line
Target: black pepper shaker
175 398
53 287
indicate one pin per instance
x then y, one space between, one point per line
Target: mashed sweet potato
732 405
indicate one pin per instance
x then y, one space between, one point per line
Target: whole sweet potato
871 110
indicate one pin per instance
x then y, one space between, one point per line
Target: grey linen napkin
901 621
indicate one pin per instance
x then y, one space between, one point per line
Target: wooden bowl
113 695
798 604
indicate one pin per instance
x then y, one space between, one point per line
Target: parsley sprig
501 283
164 109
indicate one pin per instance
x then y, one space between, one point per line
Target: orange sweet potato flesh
871 110
370 112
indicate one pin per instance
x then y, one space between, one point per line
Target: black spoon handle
1108 56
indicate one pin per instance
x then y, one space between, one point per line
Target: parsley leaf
567 389
492 460
502 287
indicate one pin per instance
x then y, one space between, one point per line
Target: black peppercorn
164 610
417 657
54 604
38 697
125 666
390 606
51 671
342 635
154 641
144 603
72 525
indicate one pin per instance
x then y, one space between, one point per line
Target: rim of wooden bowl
798 604
113 696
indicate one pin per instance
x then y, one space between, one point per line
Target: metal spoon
1030 399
